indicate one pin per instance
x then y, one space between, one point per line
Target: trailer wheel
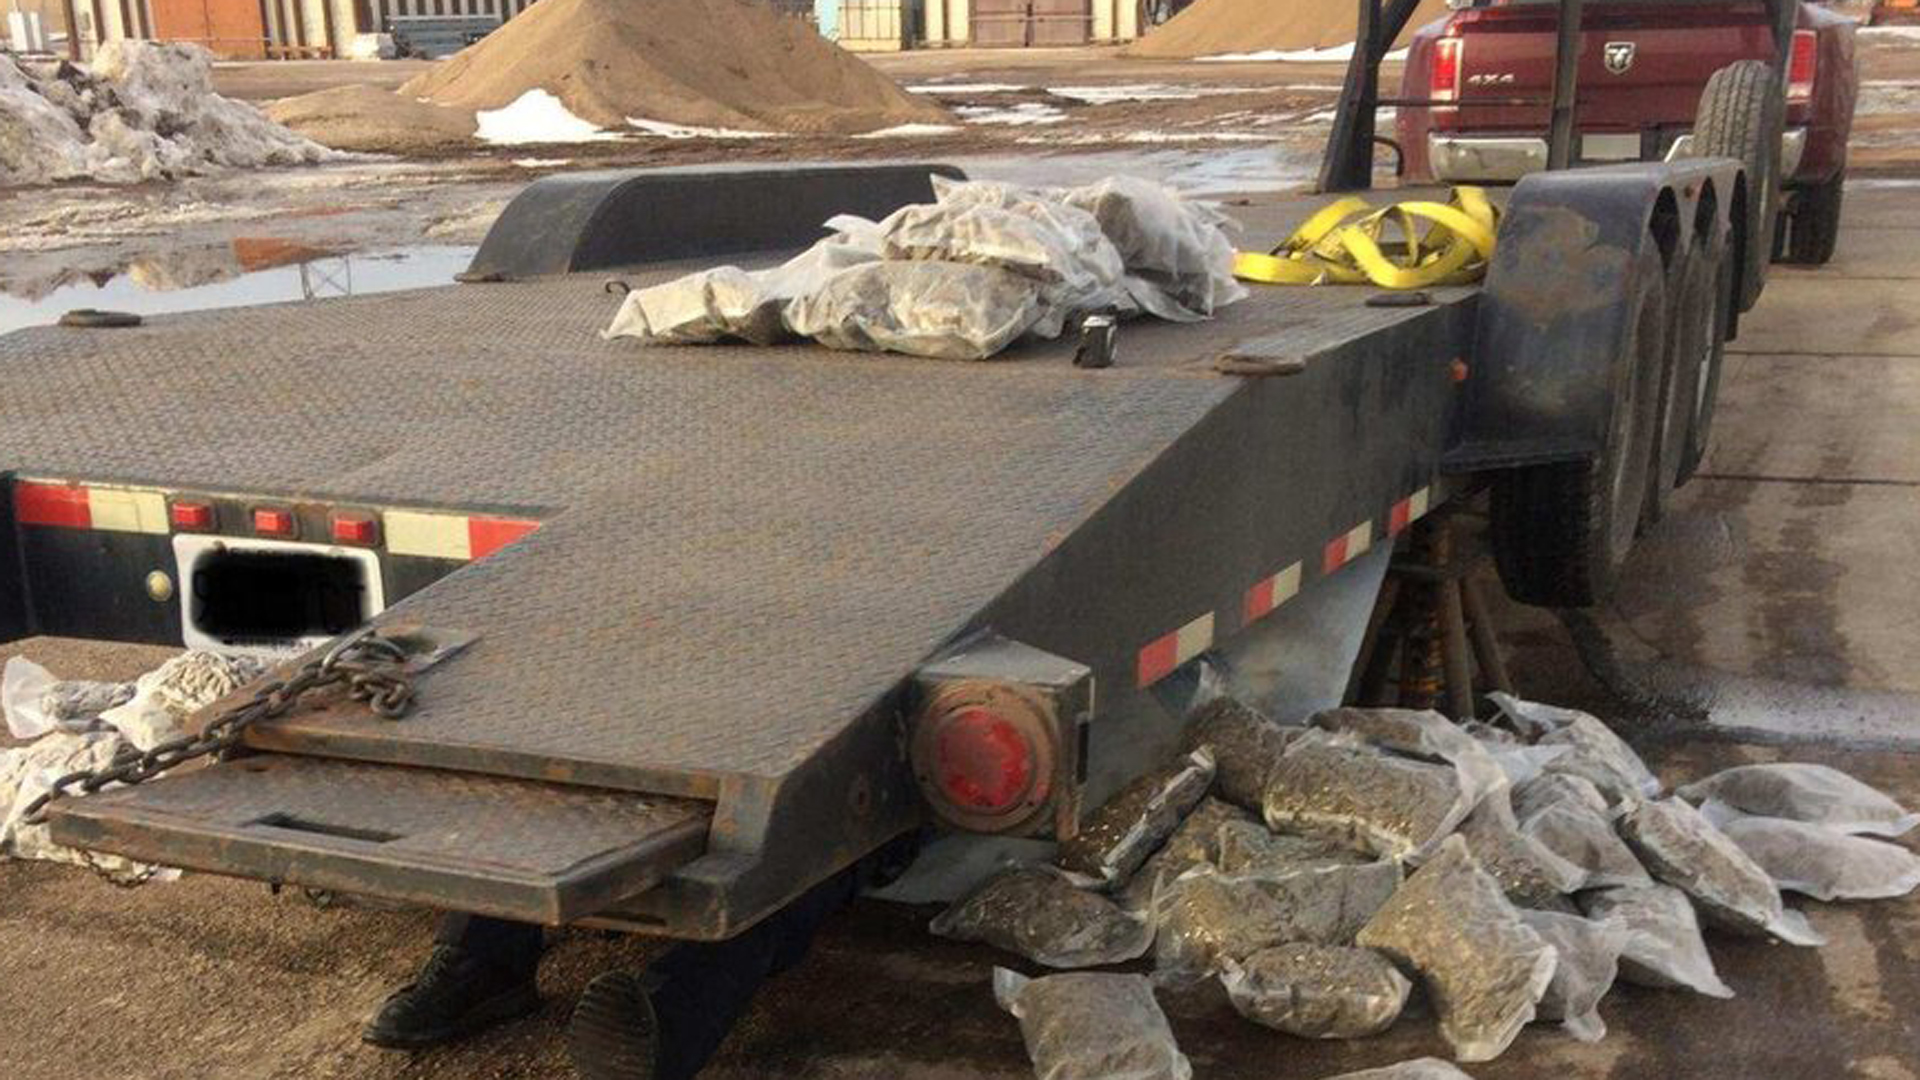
1712 353
1742 115
1701 302
1813 229
1561 531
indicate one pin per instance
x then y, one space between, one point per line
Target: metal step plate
513 848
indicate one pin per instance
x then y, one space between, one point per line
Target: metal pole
1348 164
1566 72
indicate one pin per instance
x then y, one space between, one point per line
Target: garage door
1031 22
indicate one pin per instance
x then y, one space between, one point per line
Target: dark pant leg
513 947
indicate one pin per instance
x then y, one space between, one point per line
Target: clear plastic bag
1248 847
1195 843
1245 745
1663 947
1527 870
1423 734
34 702
949 311
1334 784
1815 794
727 303
1417 1069
1317 991
1588 961
1117 838
1569 817
1682 848
1092 1026
1179 260
1034 912
165 697
1820 862
1206 917
1483 968
1595 752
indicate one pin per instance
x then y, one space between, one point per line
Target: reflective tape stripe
1346 547
1407 511
65 505
451 536
1269 593
83 506
1165 653
130 510
488 535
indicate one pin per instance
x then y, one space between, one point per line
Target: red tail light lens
1444 84
983 763
273 521
190 516
1801 65
354 529
984 756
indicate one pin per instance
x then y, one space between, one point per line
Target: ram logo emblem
1618 56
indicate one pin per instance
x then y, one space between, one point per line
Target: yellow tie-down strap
1340 245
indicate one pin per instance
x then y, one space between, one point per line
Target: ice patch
682 131
965 88
536 117
1330 54
541 162
1026 113
907 131
1890 34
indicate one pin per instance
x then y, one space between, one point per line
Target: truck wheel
1741 115
1561 531
1697 342
1813 229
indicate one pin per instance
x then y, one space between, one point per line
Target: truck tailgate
514 848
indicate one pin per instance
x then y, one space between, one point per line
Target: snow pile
141 112
535 117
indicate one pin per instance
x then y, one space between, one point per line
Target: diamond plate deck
743 549
505 847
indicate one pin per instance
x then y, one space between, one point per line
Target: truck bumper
1506 158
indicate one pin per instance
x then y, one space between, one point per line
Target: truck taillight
996 742
1445 82
1801 65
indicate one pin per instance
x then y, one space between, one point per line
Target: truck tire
1741 115
1561 531
1813 229
1701 302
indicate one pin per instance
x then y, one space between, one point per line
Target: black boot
481 973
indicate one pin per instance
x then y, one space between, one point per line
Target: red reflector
354 529
191 516
272 521
52 504
984 763
1801 65
1444 84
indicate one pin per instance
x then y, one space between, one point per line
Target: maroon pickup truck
1488 68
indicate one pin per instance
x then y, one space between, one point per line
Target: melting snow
682 131
966 88
536 117
1025 113
904 131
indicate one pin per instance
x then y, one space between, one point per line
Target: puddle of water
222 275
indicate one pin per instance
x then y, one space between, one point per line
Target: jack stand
1430 633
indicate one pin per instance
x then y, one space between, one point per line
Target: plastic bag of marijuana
1417 1069
1815 794
1569 817
1595 752
1248 847
1206 917
950 311
1178 257
1317 991
1663 947
164 698
34 702
1684 849
1530 873
1035 912
728 303
1589 961
1484 969
1819 862
1117 838
1196 842
1092 1026
1334 784
1245 745
1423 734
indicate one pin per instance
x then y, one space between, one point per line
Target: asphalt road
1774 608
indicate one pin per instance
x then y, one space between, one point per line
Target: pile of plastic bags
963 277
1512 871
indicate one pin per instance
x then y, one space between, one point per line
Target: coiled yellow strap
1340 244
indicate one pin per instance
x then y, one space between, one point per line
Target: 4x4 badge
1618 56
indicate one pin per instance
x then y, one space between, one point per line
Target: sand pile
1217 27
141 111
704 63
369 119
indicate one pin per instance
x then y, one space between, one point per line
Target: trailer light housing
997 743
358 529
1444 79
1802 63
191 515
275 521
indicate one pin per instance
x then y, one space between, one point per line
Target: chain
371 668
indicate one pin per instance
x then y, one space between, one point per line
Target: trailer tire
1813 229
1700 294
1742 115
1561 531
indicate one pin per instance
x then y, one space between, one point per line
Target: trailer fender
1553 318
608 219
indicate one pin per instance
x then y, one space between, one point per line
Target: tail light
997 739
1802 62
1444 84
